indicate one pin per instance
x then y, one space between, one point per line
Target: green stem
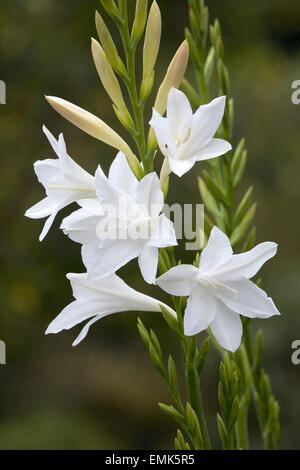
194 392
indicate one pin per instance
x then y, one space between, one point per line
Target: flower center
213 283
179 142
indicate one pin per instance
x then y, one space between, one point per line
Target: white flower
96 299
64 181
185 138
220 289
132 209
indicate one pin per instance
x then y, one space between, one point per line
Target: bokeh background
104 393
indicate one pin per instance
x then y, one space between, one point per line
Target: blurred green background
103 393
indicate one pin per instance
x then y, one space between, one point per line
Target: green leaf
172 373
222 430
250 241
234 412
155 342
171 321
207 198
202 354
240 169
156 359
143 332
223 73
241 230
209 65
180 443
191 93
172 412
243 206
213 187
237 156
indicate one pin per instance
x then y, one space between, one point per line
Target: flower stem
193 390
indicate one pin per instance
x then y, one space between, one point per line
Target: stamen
187 136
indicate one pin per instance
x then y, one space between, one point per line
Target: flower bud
109 80
173 77
139 20
164 176
110 7
152 40
109 46
95 127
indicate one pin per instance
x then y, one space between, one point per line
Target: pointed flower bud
110 7
152 40
109 46
139 20
95 127
109 80
173 77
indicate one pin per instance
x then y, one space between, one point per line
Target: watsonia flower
95 299
131 225
185 138
64 181
220 290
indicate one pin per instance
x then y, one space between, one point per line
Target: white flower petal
249 263
150 195
110 257
165 134
46 170
42 209
52 139
179 280
179 109
121 176
244 297
85 330
163 233
180 167
200 311
81 225
74 313
98 298
47 226
217 252
227 328
148 260
206 121
213 149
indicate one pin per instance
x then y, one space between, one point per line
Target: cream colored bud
173 77
107 76
164 176
152 40
95 127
